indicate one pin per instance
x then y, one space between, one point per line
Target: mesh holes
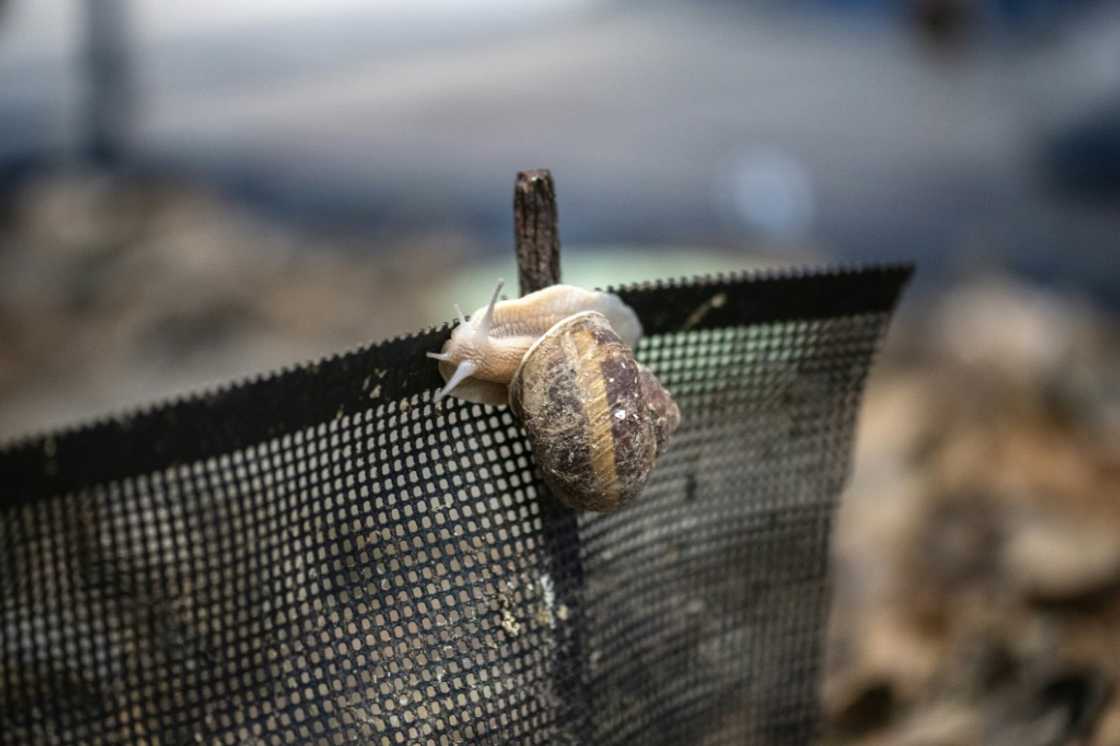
310 559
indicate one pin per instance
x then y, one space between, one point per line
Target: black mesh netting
326 556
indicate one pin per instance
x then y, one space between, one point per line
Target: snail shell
596 418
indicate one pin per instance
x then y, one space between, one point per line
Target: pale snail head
478 361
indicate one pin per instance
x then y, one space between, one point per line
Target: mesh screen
325 555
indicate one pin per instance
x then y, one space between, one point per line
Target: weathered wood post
537 242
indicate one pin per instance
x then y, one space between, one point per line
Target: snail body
479 360
563 359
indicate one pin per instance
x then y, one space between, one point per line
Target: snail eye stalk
465 370
487 322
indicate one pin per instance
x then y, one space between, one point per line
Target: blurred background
196 191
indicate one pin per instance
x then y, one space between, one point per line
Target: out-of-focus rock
1049 346
977 593
1004 329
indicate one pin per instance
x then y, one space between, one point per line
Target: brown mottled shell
595 417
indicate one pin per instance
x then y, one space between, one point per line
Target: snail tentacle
462 372
487 322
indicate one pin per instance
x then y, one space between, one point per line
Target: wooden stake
535 230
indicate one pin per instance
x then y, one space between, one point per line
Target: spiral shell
595 417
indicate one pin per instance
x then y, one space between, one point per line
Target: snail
563 359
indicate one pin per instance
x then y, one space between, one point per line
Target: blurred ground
112 294
977 573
